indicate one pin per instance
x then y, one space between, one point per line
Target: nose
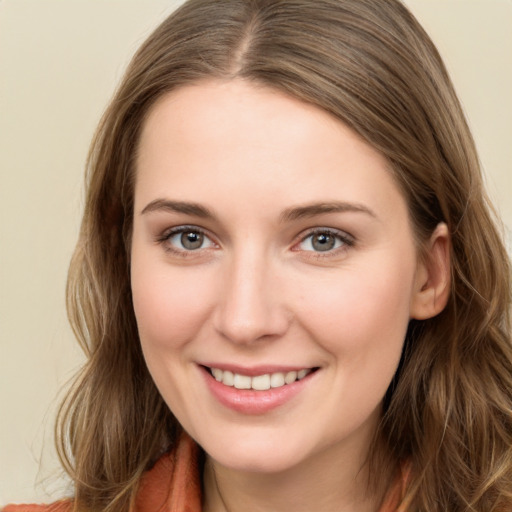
250 305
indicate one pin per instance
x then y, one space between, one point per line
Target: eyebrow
311 210
186 208
290 214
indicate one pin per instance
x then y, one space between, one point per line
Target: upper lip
252 371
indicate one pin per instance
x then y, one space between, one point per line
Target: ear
432 280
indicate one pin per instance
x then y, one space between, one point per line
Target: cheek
360 311
170 307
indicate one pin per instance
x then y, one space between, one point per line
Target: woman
288 282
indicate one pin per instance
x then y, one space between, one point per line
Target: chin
263 455
256 463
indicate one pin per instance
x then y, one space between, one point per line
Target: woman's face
272 250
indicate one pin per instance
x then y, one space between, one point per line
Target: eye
325 240
186 239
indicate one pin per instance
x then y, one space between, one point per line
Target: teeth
290 377
242 381
228 378
301 374
277 380
259 382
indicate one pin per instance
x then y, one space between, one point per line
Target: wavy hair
448 411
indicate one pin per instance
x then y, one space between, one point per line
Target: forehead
230 137
219 115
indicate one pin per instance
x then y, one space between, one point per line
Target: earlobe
432 282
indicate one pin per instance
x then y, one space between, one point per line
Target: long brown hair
448 411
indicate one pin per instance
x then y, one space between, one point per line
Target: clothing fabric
174 485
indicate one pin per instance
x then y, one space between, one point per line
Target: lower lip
248 401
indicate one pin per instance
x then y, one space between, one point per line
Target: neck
329 482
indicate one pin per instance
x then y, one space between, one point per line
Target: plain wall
59 64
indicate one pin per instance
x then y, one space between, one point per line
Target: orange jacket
174 485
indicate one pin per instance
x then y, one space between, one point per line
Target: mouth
257 390
262 382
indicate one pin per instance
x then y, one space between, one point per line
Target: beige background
59 63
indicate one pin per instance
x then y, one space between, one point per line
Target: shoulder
174 483
58 506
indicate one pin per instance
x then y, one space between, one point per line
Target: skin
259 292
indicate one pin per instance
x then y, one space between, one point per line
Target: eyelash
344 240
165 240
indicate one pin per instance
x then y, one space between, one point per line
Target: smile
258 382
257 390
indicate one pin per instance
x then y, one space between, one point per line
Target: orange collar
174 483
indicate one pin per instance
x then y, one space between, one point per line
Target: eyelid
164 237
346 238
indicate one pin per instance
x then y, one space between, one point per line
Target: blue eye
324 241
188 239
